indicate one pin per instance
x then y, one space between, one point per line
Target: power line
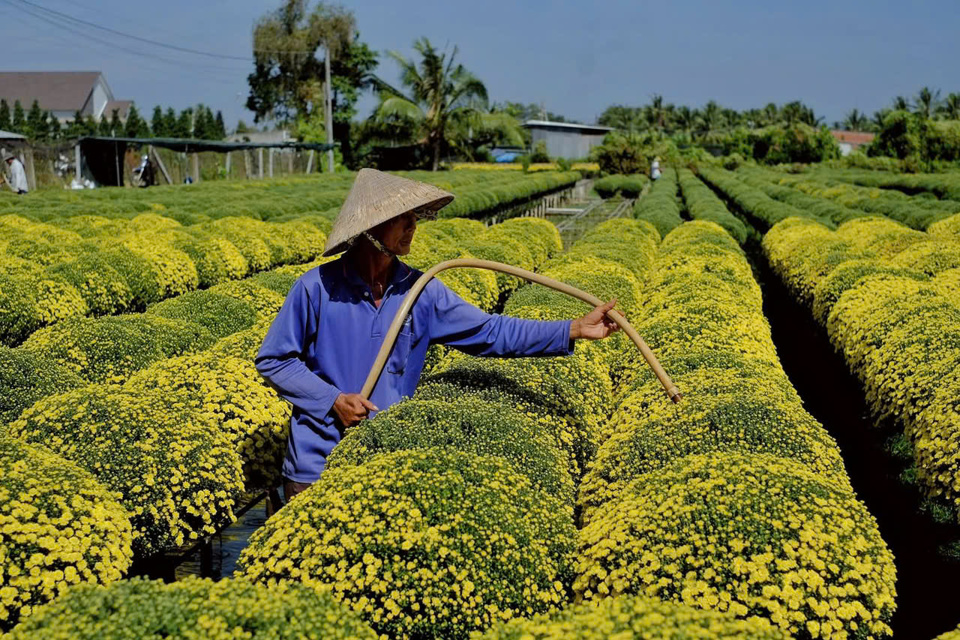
163 44
132 37
114 47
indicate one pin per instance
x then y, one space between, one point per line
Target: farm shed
564 139
101 158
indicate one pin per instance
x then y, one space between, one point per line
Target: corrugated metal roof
566 125
54 90
190 145
7 135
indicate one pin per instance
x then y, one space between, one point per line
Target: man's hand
351 408
595 325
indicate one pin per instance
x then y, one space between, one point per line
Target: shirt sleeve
280 361
461 325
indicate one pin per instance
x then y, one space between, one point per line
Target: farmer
18 177
322 344
655 169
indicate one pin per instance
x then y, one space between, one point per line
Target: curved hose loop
672 392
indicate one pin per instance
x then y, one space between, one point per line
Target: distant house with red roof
850 141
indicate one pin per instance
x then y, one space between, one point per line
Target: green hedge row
275 200
703 204
660 206
941 185
817 207
915 212
627 186
762 208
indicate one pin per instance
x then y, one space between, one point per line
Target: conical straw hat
376 197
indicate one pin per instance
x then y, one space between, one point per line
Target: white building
62 93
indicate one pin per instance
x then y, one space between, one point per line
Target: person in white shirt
18 177
655 169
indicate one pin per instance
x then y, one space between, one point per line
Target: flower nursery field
807 486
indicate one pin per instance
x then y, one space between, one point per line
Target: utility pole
328 109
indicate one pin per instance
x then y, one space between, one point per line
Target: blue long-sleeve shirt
328 332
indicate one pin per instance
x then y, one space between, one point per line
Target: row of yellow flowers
889 297
735 500
169 448
93 265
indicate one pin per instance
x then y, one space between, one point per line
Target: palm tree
684 119
927 102
950 109
878 117
712 117
771 114
901 104
856 121
441 94
657 113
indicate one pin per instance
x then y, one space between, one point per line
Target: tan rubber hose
672 392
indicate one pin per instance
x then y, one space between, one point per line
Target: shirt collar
401 273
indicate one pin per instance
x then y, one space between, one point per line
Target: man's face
397 234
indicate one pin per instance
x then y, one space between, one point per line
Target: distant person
18 177
145 172
655 169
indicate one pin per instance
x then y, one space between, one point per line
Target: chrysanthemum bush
950 635
26 377
892 308
58 527
110 349
425 544
94 266
575 390
192 609
220 314
178 476
230 395
750 534
632 617
469 424
731 405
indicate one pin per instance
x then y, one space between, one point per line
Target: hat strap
378 245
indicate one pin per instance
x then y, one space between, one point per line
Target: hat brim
426 211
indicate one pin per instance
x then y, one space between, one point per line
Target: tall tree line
36 124
927 104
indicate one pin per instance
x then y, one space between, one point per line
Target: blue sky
576 57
